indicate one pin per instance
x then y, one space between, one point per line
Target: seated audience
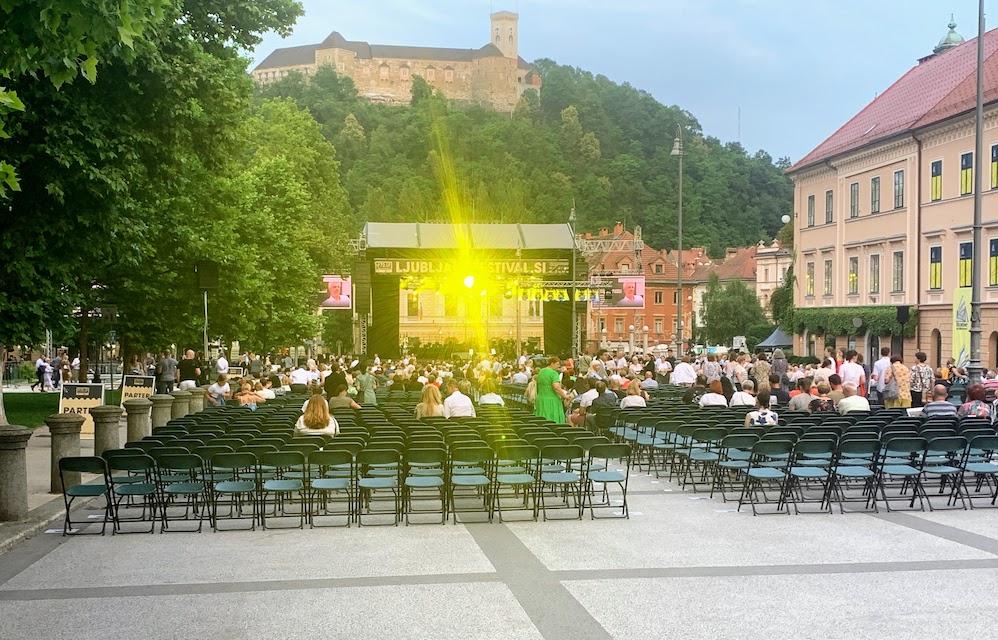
763 416
316 419
851 400
976 406
745 397
633 398
714 396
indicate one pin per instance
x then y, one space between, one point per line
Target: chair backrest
473 454
562 452
85 464
330 458
953 445
811 447
906 444
135 462
241 460
765 448
858 446
739 441
518 453
180 462
283 459
610 452
379 456
426 456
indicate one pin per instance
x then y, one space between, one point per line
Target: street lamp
677 150
785 219
630 340
602 344
575 325
644 332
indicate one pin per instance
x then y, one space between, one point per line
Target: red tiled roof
943 86
740 266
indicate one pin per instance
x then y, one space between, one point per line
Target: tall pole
677 150
575 320
975 370
207 356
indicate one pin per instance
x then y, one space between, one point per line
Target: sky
796 70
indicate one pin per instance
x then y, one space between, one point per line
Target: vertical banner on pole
961 326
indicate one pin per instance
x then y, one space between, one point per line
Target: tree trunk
3 366
84 327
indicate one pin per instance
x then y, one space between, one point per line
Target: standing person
222 365
711 369
921 381
899 373
47 374
780 365
39 374
550 395
761 372
135 366
75 367
366 384
879 368
190 371
57 369
255 365
167 371
852 371
684 374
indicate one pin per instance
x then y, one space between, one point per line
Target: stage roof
416 235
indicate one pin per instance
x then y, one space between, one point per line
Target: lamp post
602 342
644 336
974 368
677 150
630 340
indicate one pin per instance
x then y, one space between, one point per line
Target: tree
729 310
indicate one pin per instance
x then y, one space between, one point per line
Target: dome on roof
950 40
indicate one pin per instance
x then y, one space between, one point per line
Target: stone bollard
106 435
139 417
197 399
65 429
181 404
162 405
13 472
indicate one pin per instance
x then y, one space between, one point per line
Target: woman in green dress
549 392
366 384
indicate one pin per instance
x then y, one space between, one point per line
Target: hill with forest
584 140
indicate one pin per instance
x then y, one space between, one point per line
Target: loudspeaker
903 311
558 328
207 275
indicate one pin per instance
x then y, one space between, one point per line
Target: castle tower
505 33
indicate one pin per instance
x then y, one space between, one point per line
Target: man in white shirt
221 365
299 379
586 399
852 371
684 375
879 368
457 404
851 400
219 392
520 377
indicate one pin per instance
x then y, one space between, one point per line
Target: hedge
838 321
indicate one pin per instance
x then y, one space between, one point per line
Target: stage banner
961 326
81 398
236 372
138 387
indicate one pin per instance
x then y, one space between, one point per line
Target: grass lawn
31 409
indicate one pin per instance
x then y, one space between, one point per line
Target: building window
658 297
875 194
899 189
675 297
383 70
810 210
412 305
828 278
967 173
809 280
366 72
853 275
935 267
936 181
658 325
875 274
448 75
993 263
431 74
966 264
994 166
625 266
534 308
658 268
404 72
897 273
618 324
828 207
854 200
766 274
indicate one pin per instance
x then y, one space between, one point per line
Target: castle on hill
493 75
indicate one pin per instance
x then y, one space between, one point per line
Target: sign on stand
236 372
80 399
137 387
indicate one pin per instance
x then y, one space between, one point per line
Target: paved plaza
683 566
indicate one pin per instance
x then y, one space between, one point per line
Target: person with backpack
897 384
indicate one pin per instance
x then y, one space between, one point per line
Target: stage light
550 297
508 295
484 292
561 297
469 281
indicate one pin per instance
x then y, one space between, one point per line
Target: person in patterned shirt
921 381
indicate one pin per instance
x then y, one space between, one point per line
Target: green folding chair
809 467
515 472
237 492
424 473
192 490
378 471
143 466
70 469
332 474
979 464
471 468
853 465
286 490
598 472
767 468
